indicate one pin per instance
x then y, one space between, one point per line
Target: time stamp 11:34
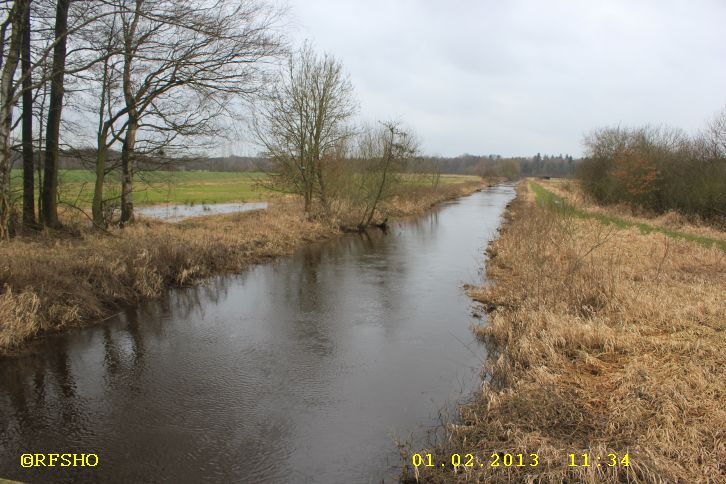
499 459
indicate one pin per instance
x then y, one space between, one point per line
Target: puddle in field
177 213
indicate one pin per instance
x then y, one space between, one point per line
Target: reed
600 340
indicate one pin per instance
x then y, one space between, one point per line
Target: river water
307 369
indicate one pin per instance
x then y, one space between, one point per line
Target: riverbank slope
52 282
603 341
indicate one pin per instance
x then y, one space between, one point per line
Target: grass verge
52 282
553 201
600 341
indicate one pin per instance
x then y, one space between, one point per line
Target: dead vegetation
416 200
571 191
600 340
54 281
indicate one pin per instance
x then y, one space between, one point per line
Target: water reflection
301 370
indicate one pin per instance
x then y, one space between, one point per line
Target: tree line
152 78
509 167
659 168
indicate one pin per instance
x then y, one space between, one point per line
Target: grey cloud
518 77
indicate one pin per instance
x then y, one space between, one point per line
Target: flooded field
177 213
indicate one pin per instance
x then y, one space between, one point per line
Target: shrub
655 168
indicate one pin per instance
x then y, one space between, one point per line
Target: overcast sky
526 76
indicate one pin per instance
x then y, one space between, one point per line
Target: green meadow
159 187
176 187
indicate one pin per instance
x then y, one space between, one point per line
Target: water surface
177 213
308 369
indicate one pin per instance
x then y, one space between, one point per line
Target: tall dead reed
52 282
599 341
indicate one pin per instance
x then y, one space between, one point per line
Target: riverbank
603 341
53 282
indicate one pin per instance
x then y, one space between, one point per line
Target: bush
656 168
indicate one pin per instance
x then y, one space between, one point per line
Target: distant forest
510 167
85 159
489 165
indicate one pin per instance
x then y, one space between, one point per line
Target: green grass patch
182 187
158 187
552 201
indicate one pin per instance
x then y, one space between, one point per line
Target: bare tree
55 108
10 59
208 51
384 152
713 138
368 170
29 219
104 77
304 116
169 69
67 18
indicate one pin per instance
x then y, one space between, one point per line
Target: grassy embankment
564 196
602 338
56 281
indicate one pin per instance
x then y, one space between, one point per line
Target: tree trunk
41 155
321 185
29 220
387 157
97 208
50 181
39 171
308 201
127 173
129 145
9 66
309 183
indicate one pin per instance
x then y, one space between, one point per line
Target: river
306 369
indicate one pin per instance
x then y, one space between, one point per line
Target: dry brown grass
571 191
409 200
416 200
53 282
50 282
600 340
